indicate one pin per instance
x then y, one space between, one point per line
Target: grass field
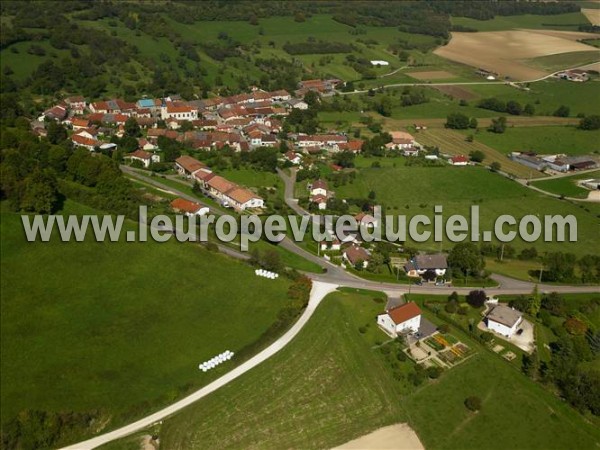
120 328
329 386
567 186
455 143
543 140
565 22
415 190
560 61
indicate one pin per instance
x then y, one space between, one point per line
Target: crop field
543 140
504 51
120 328
455 143
567 186
329 386
415 190
593 15
567 21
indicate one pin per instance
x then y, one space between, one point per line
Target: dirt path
398 437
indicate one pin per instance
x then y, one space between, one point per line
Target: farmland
415 190
543 140
569 21
279 404
503 51
119 329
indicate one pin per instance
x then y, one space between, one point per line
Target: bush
486 337
401 356
434 372
451 307
473 403
362 330
443 328
476 298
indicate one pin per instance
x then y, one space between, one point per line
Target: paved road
528 184
318 293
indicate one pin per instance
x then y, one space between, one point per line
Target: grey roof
426 262
504 315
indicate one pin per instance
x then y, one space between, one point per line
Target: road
528 184
323 284
318 293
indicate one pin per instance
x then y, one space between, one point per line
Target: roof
171 108
319 184
204 174
146 103
319 198
402 313
182 204
221 184
355 254
189 164
436 261
141 154
82 140
459 159
504 315
364 218
401 135
241 195
80 122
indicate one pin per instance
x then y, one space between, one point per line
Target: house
187 166
319 187
403 319
180 112
181 205
145 157
379 63
57 112
293 157
400 140
459 160
504 320
334 244
76 104
421 264
366 220
297 104
79 124
320 200
202 176
242 199
85 142
357 255
325 140
410 151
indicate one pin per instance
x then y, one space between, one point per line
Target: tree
132 128
473 403
40 193
498 125
590 123
477 156
562 111
529 109
271 260
536 301
476 298
514 108
473 123
530 364
495 166
384 106
457 121
554 304
56 133
466 258
559 266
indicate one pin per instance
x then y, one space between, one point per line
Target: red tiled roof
141 154
181 204
189 164
404 312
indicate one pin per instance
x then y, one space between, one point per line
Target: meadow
566 22
543 140
330 386
413 190
120 328
567 186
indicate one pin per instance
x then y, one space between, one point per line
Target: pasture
120 328
409 191
543 140
330 386
504 51
567 186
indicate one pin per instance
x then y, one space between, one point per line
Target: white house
319 187
401 140
145 157
423 263
379 62
366 220
187 166
189 208
179 112
403 319
298 104
355 254
504 320
459 160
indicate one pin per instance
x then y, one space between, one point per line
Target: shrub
476 298
486 337
434 372
451 307
362 330
473 403
443 328
401 356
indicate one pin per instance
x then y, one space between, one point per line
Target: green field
415 190
567 186
329 386
543 140
561 61
565 22
120 328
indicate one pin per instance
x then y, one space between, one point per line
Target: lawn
120 328
415 190
328 387
564 22
325 388
543 140
567 186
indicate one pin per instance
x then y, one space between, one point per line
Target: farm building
379 62
403 319
504 320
